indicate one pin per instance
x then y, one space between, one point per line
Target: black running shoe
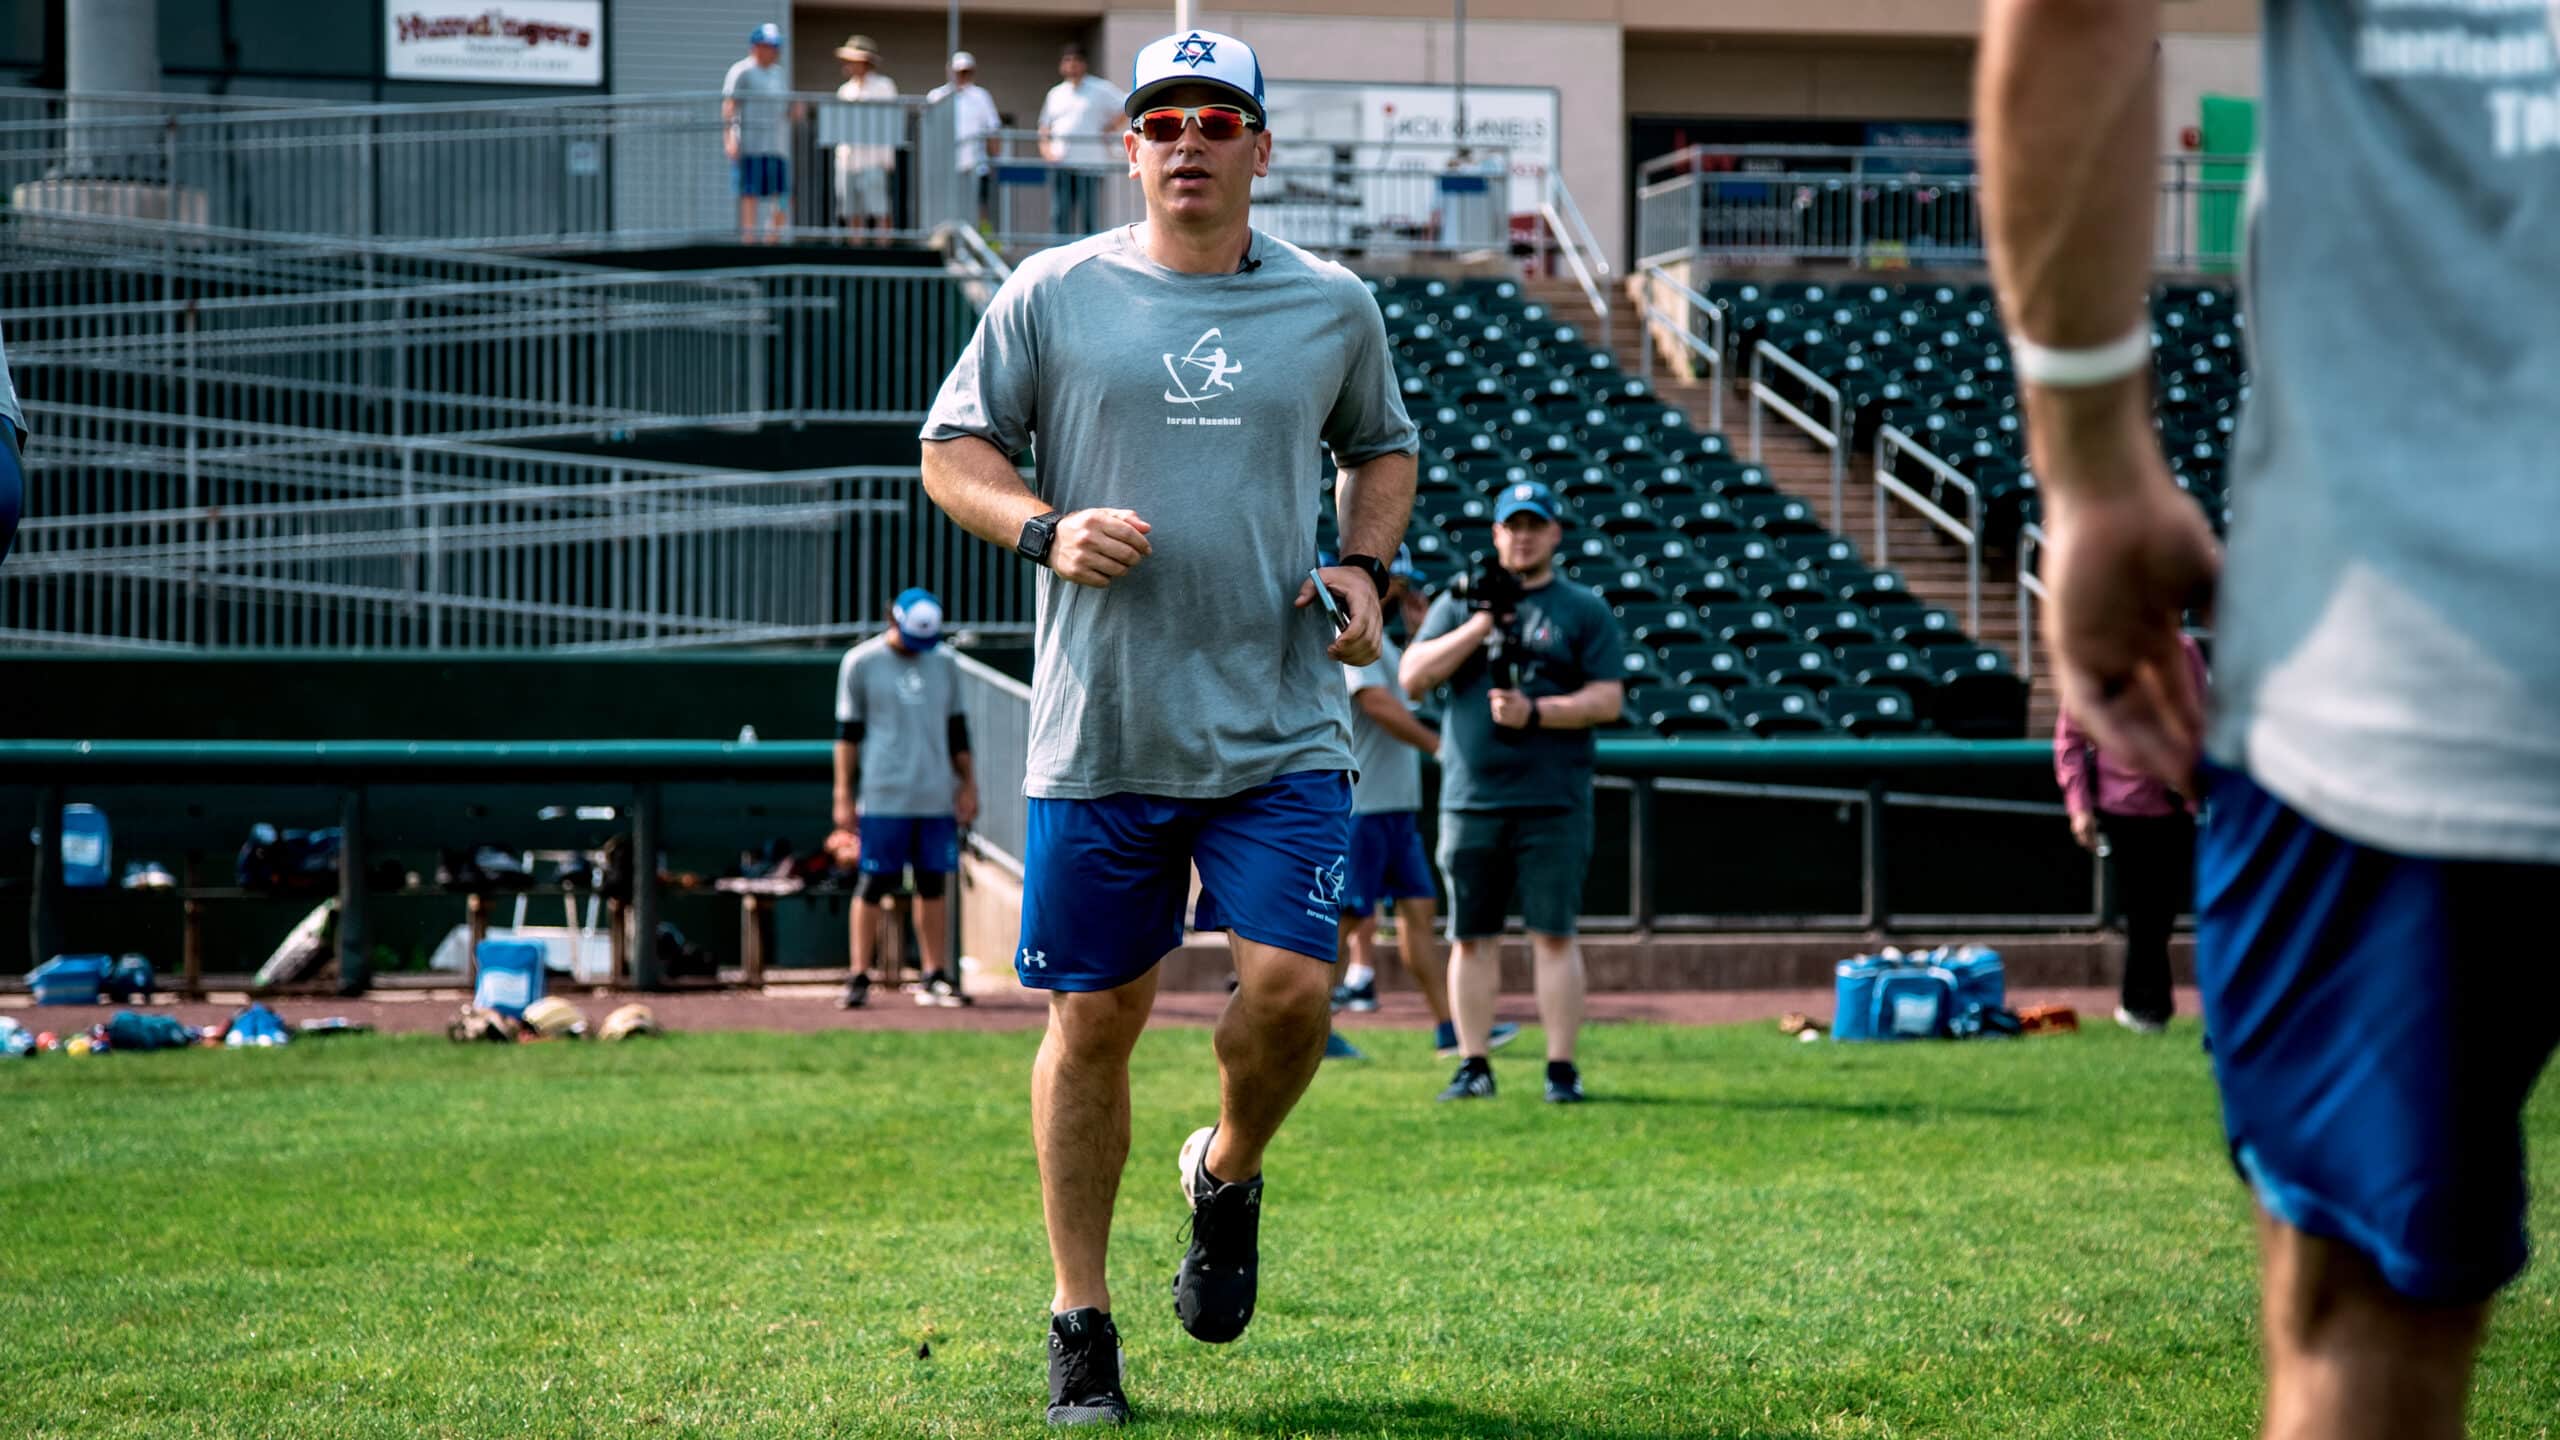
1362 997
1084 1370
1474 1081
1564 1083
1213 1289
857 992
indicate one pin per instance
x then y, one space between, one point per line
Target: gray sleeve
1446 615
1368 418
993 392
1374 675
849 690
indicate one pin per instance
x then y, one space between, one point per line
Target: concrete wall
1674 74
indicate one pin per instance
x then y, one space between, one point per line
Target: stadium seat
1795 664
1833 625
1770 710
1689 711
1864 712
1746 625
1978 696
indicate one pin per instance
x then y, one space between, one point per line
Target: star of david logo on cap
1194 51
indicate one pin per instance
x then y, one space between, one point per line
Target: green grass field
754 1235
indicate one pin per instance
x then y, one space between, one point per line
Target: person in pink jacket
2150 832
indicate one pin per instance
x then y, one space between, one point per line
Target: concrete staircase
1928 558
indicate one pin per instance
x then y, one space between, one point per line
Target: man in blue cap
1389 865
756 115
905 784
1187 703
1532 662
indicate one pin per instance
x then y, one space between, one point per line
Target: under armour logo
1194 51
1215 365
1035 959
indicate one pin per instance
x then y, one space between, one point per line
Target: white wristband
2075 369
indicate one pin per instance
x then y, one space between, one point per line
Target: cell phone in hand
1341 621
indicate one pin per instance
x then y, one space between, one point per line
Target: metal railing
1830 437
2031 539
434 545
1888 208
1702 358
999 711
1892 444
1582 255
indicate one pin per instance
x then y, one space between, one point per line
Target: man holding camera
1532 661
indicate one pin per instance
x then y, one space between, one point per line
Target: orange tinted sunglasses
1163 125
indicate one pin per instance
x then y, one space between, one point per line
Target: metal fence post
645 973
1878 912
355 965
1642 866
44 916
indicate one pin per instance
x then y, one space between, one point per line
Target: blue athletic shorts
1388 861
1104 881
761 177
2376 1028
891 843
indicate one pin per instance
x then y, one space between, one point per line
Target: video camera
1495 591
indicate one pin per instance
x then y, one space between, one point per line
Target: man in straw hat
866 137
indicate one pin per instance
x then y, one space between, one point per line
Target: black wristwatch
1370 566
1038 534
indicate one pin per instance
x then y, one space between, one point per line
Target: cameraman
1532 662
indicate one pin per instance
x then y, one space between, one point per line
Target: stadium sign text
526 42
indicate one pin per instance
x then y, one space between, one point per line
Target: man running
1187 704
2382 801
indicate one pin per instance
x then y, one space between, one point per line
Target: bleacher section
1932 361
1746 616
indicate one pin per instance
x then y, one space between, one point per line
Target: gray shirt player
904 704
1390 770
1197 401
2386 660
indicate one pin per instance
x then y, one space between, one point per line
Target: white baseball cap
963 60
1200 57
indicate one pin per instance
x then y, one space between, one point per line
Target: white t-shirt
1080 115
865 136
764 112
976 120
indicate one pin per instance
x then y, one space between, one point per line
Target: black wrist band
1536 722
1370 566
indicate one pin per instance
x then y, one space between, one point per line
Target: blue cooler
1853 997
1913 1002
510 976
86 850
1980 978
70 979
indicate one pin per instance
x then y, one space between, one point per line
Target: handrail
967 254
1564 222
1892 443
1828 437
1710 350
2031 538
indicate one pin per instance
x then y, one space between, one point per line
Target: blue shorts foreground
2376 1026
1104 883
1388 861
891 843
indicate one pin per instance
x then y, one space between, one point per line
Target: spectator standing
977 130
867 131
2150 835
756 115
1082 109
904 784
1532 661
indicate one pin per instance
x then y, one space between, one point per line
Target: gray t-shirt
764 110
1568 639
904 703
1390 770
1197 401
2386 659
